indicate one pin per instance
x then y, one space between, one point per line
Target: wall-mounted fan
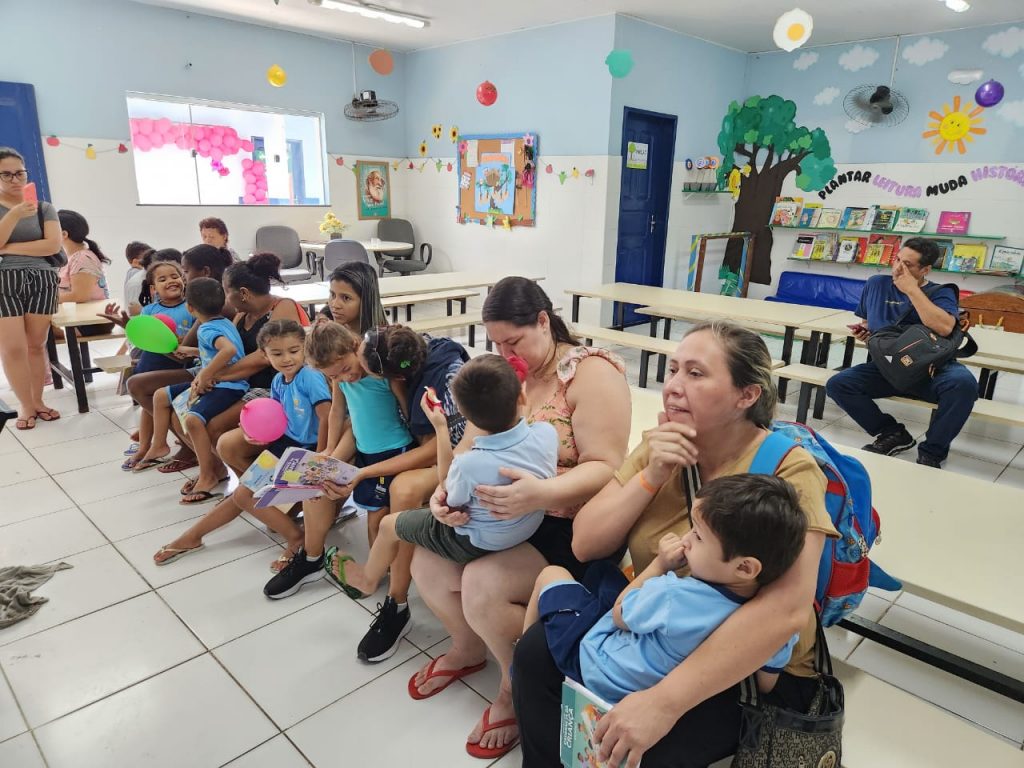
365 107
878 105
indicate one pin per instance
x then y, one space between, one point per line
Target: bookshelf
1003 275
943 235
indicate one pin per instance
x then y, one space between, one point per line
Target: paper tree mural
762 133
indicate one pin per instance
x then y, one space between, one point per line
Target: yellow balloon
276 76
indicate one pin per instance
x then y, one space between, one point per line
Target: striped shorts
28 292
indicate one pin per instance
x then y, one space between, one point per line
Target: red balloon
53 141
486 93
382 62
168 321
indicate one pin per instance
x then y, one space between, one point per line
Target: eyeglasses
370 341
9 176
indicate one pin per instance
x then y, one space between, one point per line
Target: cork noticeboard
497 177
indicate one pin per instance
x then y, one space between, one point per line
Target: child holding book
306 398
489 394
747 530
219 347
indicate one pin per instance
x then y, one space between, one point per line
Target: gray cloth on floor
16 585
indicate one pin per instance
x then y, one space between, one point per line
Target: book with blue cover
581 710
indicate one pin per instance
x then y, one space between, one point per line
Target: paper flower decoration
562 176
395 164
437 165
382 62
463 146
121 149
410 165
528 140
331 224
549 168
953 127
339 160
589 173
506 223
793 29
436 130
453 133
90 152
575 172
449 167
423 148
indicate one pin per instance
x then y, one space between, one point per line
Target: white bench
450 322
408 300
113 363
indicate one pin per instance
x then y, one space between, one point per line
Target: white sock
402 606
311 559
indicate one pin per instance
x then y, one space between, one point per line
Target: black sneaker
290 579
893 442
928 460
386 631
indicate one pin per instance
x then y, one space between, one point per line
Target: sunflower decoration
423 148
436 130
453 133
953 127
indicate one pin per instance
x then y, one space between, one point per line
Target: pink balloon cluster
254 173
211 141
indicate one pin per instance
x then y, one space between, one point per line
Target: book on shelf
300 475
911 220
1006 258
883 217
945 252
825 246
888 247
874 254
953 222
786 212
967 257
581 710
851 249
854 218
808 214
803 247
829 218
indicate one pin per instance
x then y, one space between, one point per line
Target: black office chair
296 266
402 261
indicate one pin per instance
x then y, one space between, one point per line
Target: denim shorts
212 404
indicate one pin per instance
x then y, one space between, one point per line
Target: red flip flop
475 750
451 674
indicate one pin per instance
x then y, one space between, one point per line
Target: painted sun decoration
953 128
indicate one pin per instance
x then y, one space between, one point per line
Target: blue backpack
845 572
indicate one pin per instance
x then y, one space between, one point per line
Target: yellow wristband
646 485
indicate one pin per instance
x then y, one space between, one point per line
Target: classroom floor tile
21 751
279 752
11 721
20 467
32 498
84 452
50 537
147 509
107 480
70 428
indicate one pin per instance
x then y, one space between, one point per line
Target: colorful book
945 253
968 257
829 218
581 711
825 246
884 216
854 218
890 246
1006 258
182 402
911 220
850 248
300 475
803 247
953 222
808 214
874 253
786 212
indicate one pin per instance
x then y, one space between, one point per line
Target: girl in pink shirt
82 278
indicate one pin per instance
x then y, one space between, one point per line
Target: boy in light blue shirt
746 531
489 395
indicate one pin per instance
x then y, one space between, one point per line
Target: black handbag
59 259
775 737
909 355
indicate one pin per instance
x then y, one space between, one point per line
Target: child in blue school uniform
747 530
305 395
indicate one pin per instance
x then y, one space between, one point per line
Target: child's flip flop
143 464
199 497
339 578
176 554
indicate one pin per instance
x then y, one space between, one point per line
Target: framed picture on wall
373 190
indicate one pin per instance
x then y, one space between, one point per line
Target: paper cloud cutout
857 58
1006 43
925 50
826 96
965 76
855 126
805 60
1013 112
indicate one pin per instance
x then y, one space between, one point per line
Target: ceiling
744 25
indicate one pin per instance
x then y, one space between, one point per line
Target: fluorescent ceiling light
371 11
958 6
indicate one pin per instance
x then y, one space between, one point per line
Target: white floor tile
125 416
231 542
80 662
1017 462
71 426
19 467
21 752
276 753
443 722
100 578
1012 476
11 721
842 642
1006 638
322 669
107 480
33 498
86 452
985 708
8 442
46 538
972 467
984 448
513 759
227 602
191 715
486 682
840 435
155 506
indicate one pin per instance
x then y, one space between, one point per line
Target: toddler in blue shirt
489 395
746 531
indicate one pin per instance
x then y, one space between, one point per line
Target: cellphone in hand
858 328
29 194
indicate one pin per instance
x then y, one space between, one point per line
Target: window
192 152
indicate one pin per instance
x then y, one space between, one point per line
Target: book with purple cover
953 222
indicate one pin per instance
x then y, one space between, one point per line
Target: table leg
803 402
787 355
645 362
472 335
575 308
51 354
983 382
83 348
408 313
449 303
851 344
620 314
990 390
809 351
662 359
76 370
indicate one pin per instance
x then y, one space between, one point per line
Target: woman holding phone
29 232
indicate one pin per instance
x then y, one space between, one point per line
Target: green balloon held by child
150 334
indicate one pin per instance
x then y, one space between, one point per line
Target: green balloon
149 334
620 62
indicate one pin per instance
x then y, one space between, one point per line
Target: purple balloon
989 93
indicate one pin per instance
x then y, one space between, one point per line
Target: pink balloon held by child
263 420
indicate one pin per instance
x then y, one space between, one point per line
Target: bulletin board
497 177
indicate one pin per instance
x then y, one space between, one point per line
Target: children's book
885 217
787 211
581 710
874 253
945 253
854 218
890 246
953 222
829 218
260 473
850 248
968 257
825 246
300 475
1006 258
911 220
803 247
808 214
181 404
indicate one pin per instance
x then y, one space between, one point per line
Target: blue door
19 129
648 150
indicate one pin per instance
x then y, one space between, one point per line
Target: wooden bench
450 322
58 335
113 363
408 300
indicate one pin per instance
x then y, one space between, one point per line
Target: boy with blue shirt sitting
489 395
884 301
746 531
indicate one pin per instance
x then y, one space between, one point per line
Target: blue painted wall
82 57
679 75
818 78
551 80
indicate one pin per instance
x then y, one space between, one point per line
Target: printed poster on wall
373 190
495 184
636 156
